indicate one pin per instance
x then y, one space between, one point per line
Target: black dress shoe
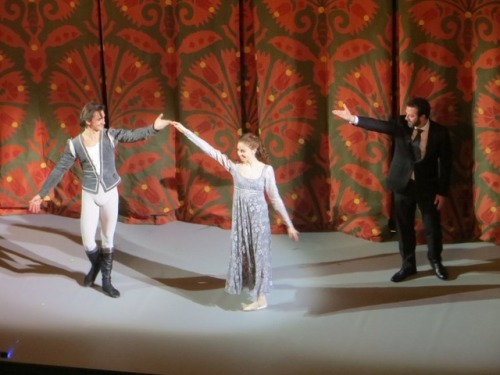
439 270
403 274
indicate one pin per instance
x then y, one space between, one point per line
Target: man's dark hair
88 112
422 105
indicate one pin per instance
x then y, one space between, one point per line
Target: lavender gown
250 263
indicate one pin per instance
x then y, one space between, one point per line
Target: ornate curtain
273 67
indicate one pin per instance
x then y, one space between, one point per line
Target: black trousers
405 206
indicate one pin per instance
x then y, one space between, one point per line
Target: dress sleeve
274 196
221 158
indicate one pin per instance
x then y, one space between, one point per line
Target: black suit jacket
432 173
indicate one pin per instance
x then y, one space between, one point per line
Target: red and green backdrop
274 67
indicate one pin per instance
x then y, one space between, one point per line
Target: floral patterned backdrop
274 67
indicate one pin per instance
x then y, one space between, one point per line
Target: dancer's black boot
95 261
106 267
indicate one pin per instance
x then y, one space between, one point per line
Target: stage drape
273 67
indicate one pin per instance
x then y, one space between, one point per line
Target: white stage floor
333 309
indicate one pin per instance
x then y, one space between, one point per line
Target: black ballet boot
95 261
106 266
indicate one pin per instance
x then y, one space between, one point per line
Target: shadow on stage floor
332 309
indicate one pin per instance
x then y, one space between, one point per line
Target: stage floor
333 309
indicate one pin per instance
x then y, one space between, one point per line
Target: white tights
100 208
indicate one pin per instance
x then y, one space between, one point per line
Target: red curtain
273 67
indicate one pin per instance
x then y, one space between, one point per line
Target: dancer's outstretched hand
344 113
161 123
35 204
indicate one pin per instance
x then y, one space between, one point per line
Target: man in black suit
419 175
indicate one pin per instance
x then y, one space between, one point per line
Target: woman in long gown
250 263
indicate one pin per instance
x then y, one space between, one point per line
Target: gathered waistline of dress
248 190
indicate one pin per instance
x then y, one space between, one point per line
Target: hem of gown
252 292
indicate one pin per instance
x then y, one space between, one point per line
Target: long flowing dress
250 262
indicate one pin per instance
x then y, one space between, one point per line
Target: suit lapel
431 136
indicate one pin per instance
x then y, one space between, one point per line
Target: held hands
344 113
161 123
35 204
178 126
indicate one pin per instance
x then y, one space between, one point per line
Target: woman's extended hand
293 234
178 126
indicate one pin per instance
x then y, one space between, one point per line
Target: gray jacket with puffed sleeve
75 149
